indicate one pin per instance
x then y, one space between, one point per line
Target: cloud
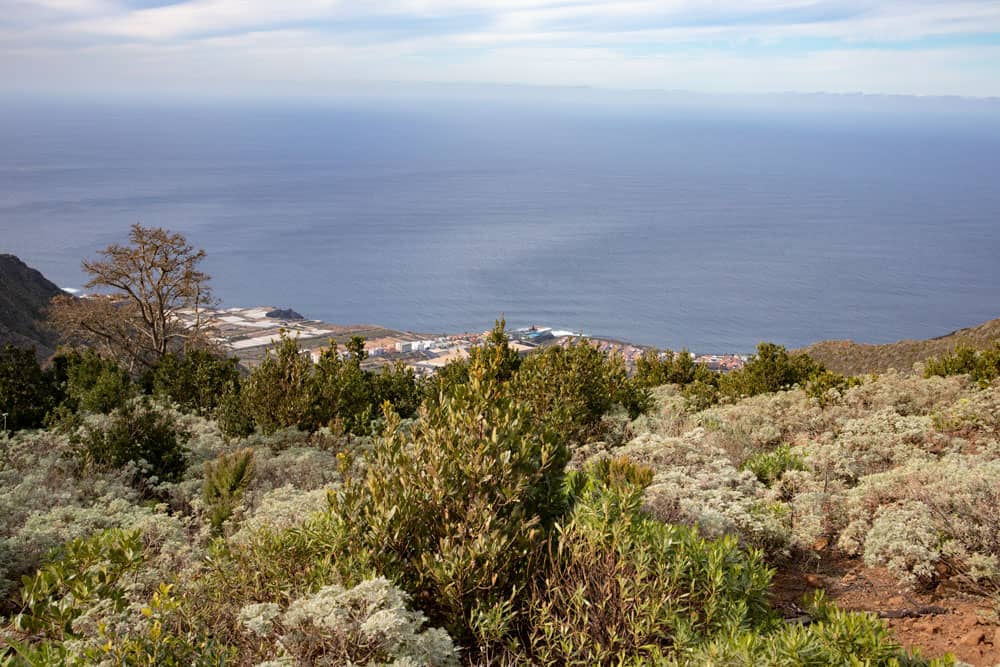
899 46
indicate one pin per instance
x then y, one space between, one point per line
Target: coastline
247 334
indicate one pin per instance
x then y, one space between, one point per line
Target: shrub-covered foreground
521 516
902 471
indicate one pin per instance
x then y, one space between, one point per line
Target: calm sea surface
711 231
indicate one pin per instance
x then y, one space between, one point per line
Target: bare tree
145 288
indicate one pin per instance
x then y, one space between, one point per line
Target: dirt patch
937 622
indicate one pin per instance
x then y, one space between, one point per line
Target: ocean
710 230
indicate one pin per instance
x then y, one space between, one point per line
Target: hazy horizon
473 96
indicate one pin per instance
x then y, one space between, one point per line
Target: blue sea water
710 230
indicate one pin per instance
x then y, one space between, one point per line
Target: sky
322 48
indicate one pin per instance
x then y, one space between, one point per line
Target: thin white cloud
725 45
872 19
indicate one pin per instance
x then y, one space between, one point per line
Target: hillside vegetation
850 358
522 515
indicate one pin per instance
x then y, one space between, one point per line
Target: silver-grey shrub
369 624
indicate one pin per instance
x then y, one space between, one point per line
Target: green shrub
232 414
453 508
833 637
700 395
80 610
611 473
195 381
82 573
622 588
288 390
160 636
142 434
266 565
826 385
449 376
341 391
93 383
26 392
276 395
226 479
982 366
770 466
771 369
572 387
495 357
655 368
398 385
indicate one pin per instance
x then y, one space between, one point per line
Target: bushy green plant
495 357
451 375
982 366
277 393
93 383
700 395
772 368
233 414
833 637
195 381
80 610
339 390
656 367
142 434
82 573
827 385
572 387
288 390
770 466
26 392
226 480
622 588
158 636
453 508
270 564
398 385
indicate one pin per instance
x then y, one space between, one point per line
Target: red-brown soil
937 622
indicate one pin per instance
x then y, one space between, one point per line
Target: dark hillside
24 295
846 356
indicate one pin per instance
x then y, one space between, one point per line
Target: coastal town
248 333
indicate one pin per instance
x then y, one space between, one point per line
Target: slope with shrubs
846 356
547 511
898 471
